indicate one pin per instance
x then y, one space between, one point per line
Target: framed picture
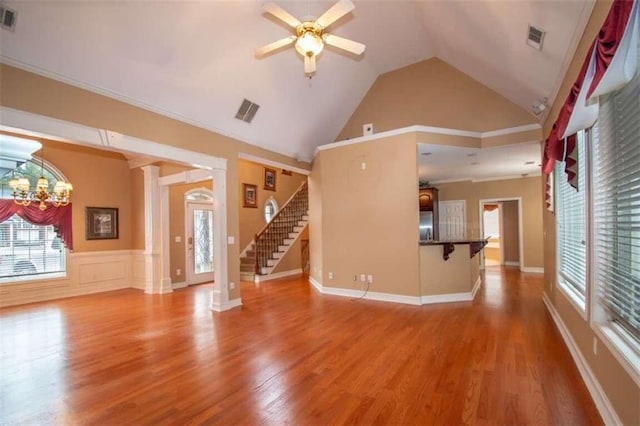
269 179
249 195
101 223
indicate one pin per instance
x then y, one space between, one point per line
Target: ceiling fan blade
336 12
275 46
309 64
281 14
344 44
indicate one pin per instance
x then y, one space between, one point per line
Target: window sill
27 279
624 350
575 298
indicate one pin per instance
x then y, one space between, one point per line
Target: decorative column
220 298
153 216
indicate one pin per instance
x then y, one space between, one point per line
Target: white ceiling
194 60
447 163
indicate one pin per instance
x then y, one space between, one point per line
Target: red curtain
609 38
601 52
59 217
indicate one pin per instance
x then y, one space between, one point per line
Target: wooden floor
290 356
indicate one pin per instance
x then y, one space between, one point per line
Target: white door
199 243
452 220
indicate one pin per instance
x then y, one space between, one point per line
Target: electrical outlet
595 346
370 279
363 277
232 286
355 278
330 275
178 272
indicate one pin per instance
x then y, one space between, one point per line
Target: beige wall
367 219
316 258
458 274
619 387
100 179
433 93
252 219
32 93
527 188
510 238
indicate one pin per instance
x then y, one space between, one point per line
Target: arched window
27 249
270 209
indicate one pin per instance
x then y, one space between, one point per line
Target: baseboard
532 269
446 298
176 286
371 295
476 287
315 284
225 306
600 399
261 278
511 263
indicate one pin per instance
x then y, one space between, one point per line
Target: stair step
246 276
298 228
277 254
282 249
272 262
247 260
288 241
305 217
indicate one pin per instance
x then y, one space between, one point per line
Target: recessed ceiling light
473 154
475 163
529 163
525 174
425 153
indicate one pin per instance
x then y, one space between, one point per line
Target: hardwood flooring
290 356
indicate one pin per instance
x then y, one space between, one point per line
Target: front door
199 243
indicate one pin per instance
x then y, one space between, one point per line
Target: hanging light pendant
60 196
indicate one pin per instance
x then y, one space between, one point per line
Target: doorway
501 223
199 243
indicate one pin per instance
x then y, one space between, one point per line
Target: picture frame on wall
101 223
269 179
249 195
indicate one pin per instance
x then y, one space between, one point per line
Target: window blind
571 222
616 206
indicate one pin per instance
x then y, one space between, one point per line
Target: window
270 209
571 222
27 249
616 210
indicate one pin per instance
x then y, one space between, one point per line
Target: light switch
178 238
231 240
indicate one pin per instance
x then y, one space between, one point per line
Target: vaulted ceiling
194 60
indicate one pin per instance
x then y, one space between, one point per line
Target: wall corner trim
315 284
603 404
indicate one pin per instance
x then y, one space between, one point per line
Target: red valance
610 63
59 217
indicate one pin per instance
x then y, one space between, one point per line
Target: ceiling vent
535 37
247 111
7 18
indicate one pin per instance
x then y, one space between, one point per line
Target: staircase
274 240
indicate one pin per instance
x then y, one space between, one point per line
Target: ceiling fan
310 36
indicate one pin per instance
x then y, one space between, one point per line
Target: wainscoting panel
87 272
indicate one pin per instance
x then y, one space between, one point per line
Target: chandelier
22 195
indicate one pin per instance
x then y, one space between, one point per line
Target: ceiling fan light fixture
309 44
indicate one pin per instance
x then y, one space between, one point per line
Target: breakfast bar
449 270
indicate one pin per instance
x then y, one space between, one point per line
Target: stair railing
273 234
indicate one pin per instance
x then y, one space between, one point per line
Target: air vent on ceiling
247 111
7 18
535 37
